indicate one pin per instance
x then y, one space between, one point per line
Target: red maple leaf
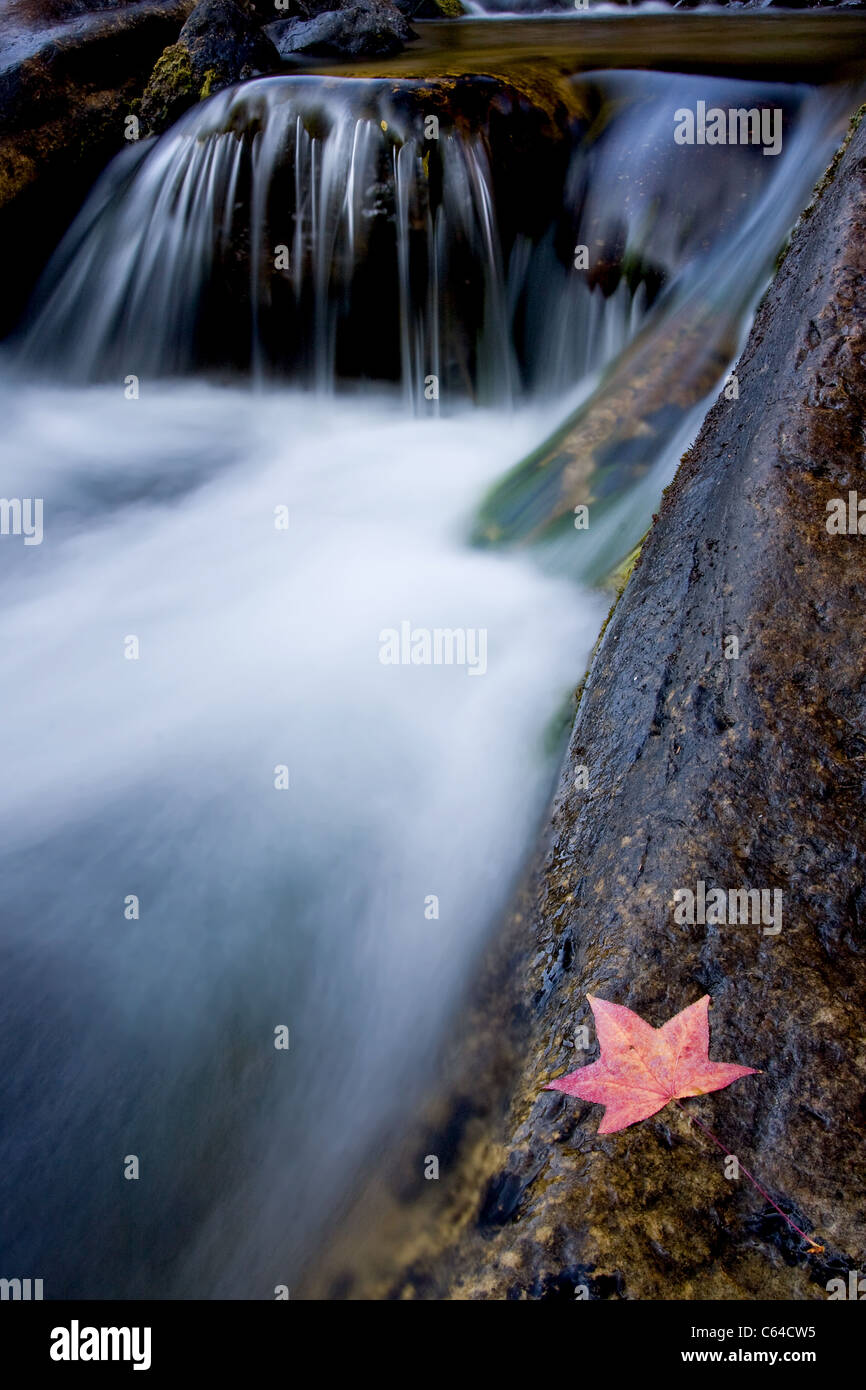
641 1068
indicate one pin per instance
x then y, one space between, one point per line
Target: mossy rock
169 92
207 87
219 44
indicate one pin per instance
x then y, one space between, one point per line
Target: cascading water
257 545
702 237
299 229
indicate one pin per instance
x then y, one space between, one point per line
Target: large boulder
364 29
224 39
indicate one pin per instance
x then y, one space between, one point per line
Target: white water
156 777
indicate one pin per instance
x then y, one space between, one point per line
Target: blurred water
155 777
310 231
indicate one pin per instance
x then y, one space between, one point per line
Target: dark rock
365 29
223 39
265 11
171 89
529 142
46 12
220 44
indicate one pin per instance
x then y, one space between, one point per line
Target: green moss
207 86
451 9
170 90
173 72
619 577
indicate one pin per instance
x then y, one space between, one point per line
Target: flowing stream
245 819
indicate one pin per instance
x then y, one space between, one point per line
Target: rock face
743 771
65 93
365 29
218 45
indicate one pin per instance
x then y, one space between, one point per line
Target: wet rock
45 12
529 146
307 9
366 29
171 89
218 45
646 397
265 11
224 39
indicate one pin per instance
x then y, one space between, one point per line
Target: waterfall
333 233
294 229
696 251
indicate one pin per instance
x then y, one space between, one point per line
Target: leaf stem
813 1248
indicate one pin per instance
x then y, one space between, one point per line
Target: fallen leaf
641 1068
